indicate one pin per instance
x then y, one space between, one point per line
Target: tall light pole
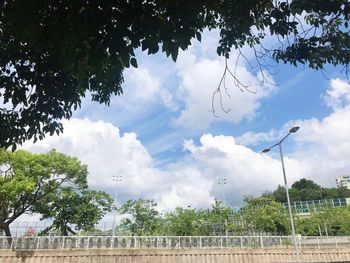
222 181
116 179
279 144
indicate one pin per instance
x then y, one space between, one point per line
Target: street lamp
222 181
116 179
292 130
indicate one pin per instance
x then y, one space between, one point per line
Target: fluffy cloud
338 95
253 138
141 84
142 92
247 172
192 181
108 153
321 153
322 145
200 77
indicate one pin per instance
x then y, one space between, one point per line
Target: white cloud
106 152
338 96
252 138
143 91
323 145
246 171
140 84
321 153
199 79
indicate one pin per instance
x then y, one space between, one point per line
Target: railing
314 206
167 242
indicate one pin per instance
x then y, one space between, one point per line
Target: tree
54 52
335 192
31 183
185 222
306 190
219 218
264 214
326 221
305 184
143 216
81 208
280 194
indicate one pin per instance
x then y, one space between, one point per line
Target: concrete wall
174 256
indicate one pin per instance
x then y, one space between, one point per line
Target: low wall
174 256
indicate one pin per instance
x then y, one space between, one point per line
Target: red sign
30 232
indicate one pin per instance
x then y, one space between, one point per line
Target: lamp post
279 144
116 179
222 181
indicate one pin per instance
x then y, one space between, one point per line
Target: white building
343 180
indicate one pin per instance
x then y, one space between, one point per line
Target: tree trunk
46 230
7 231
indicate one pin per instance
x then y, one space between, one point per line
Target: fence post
281 242
241 242
63 239
261 242
200 242
318 243
336 242
179 242
12 242
221 242
38 242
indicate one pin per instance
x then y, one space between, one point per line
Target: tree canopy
143 216
53 52
306 190
51 184
81 208
329 221
263 214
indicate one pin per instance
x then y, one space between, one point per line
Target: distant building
343 180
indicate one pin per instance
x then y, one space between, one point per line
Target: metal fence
314 206
167 242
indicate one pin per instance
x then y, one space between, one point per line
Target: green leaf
199 36
133 62
174 54
14 147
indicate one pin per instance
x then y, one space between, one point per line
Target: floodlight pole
222 181
116 179
292 130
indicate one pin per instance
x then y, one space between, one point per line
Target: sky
162 137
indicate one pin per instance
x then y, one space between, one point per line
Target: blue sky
162 138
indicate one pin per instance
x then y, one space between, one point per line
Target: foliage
305 184
32 183
54 52
143 216
219 218
305 190
263 214
329 221
143 219
81 208
184 222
